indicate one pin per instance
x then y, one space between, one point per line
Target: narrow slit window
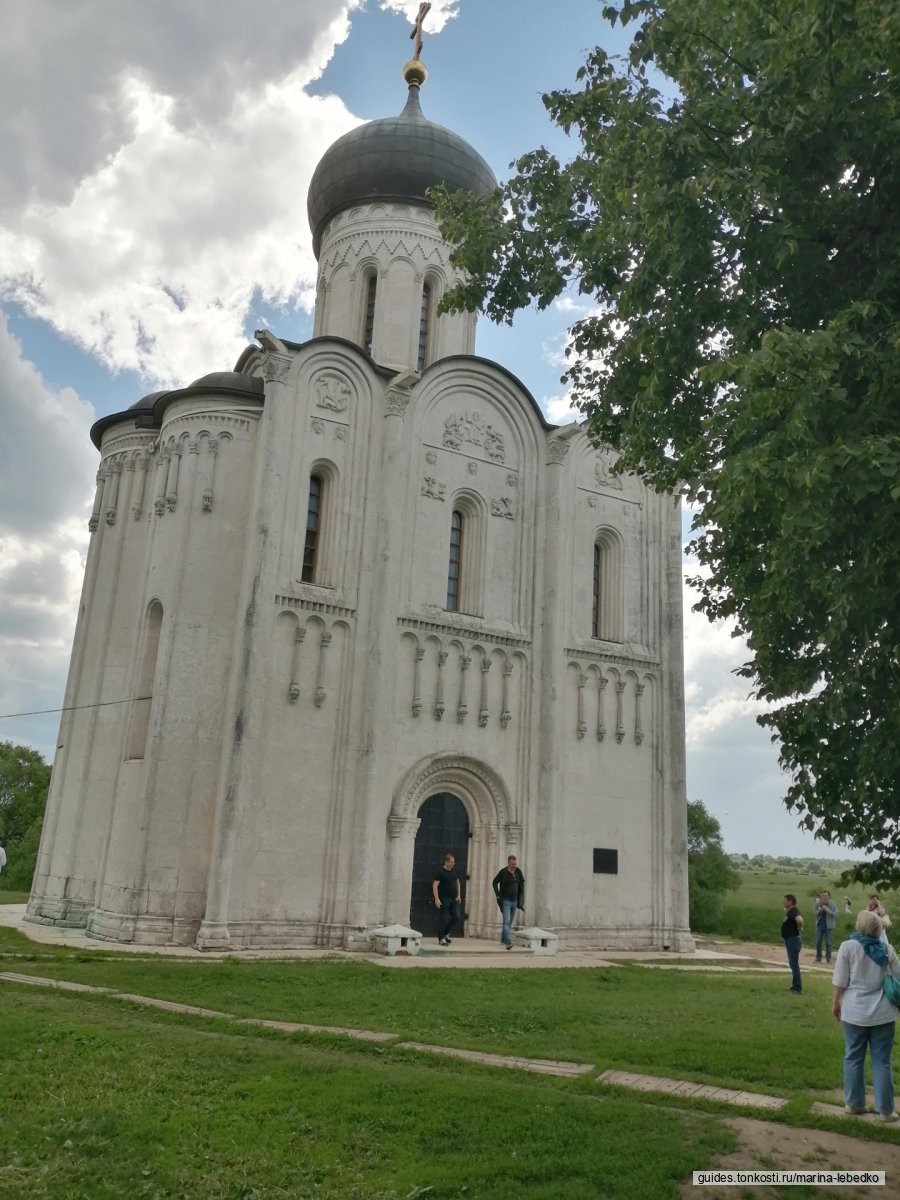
143 702
424 321
313 527
369 324
456 535
597 612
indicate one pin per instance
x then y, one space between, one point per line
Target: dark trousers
793 946
448 914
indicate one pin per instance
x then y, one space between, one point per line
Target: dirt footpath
765 1146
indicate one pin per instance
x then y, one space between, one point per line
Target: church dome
395 158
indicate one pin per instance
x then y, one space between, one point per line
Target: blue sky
153 214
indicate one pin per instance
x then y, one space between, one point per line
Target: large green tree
731 210
710 873
24 780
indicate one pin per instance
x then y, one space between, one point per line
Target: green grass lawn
102 1101
105 1099
754 912
740 1030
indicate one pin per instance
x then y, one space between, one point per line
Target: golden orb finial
414 72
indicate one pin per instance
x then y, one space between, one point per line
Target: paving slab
541 1066
682 1087
363 1035
63 985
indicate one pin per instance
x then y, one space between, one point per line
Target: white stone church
368 607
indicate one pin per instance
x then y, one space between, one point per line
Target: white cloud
65 68
178 191
441 12
47 467
559 409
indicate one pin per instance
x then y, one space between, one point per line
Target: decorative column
401 845
94 522
638 728
139 465
582 725
620 727
325 642
549 888
209 491
439 705
505 714
462 708
294 689
372 887
601 706
417 698
172 484
162 470
236 781
483 707
115 468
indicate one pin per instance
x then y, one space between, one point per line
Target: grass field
622 1017
105 1102
754 912
106 1099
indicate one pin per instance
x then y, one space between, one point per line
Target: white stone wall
297 727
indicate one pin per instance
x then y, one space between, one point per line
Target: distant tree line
785 862
24 781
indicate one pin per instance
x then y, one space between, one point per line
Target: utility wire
40 712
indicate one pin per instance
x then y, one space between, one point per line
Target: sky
153 214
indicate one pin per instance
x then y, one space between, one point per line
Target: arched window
456 545
313 529
465 566
143 696
424 323
371 289
598 580
607 603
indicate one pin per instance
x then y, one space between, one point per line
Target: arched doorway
444 829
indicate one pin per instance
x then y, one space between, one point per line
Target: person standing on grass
447 892
877 908
792 932
509 888
847 907
825 913
2 857
866 1015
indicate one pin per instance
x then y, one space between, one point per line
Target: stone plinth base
396 939
538 941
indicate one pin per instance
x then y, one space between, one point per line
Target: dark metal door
444 830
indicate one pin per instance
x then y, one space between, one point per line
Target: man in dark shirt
791 931
447 893
509 888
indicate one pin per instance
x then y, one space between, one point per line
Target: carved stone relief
602 472
332 391
434 488
501 506
469 429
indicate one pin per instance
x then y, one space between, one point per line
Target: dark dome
232 380
396 158
146 402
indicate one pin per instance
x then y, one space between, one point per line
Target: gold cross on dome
423 12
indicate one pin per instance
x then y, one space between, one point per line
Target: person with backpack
866 1015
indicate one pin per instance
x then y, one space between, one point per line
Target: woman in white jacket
866 1015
